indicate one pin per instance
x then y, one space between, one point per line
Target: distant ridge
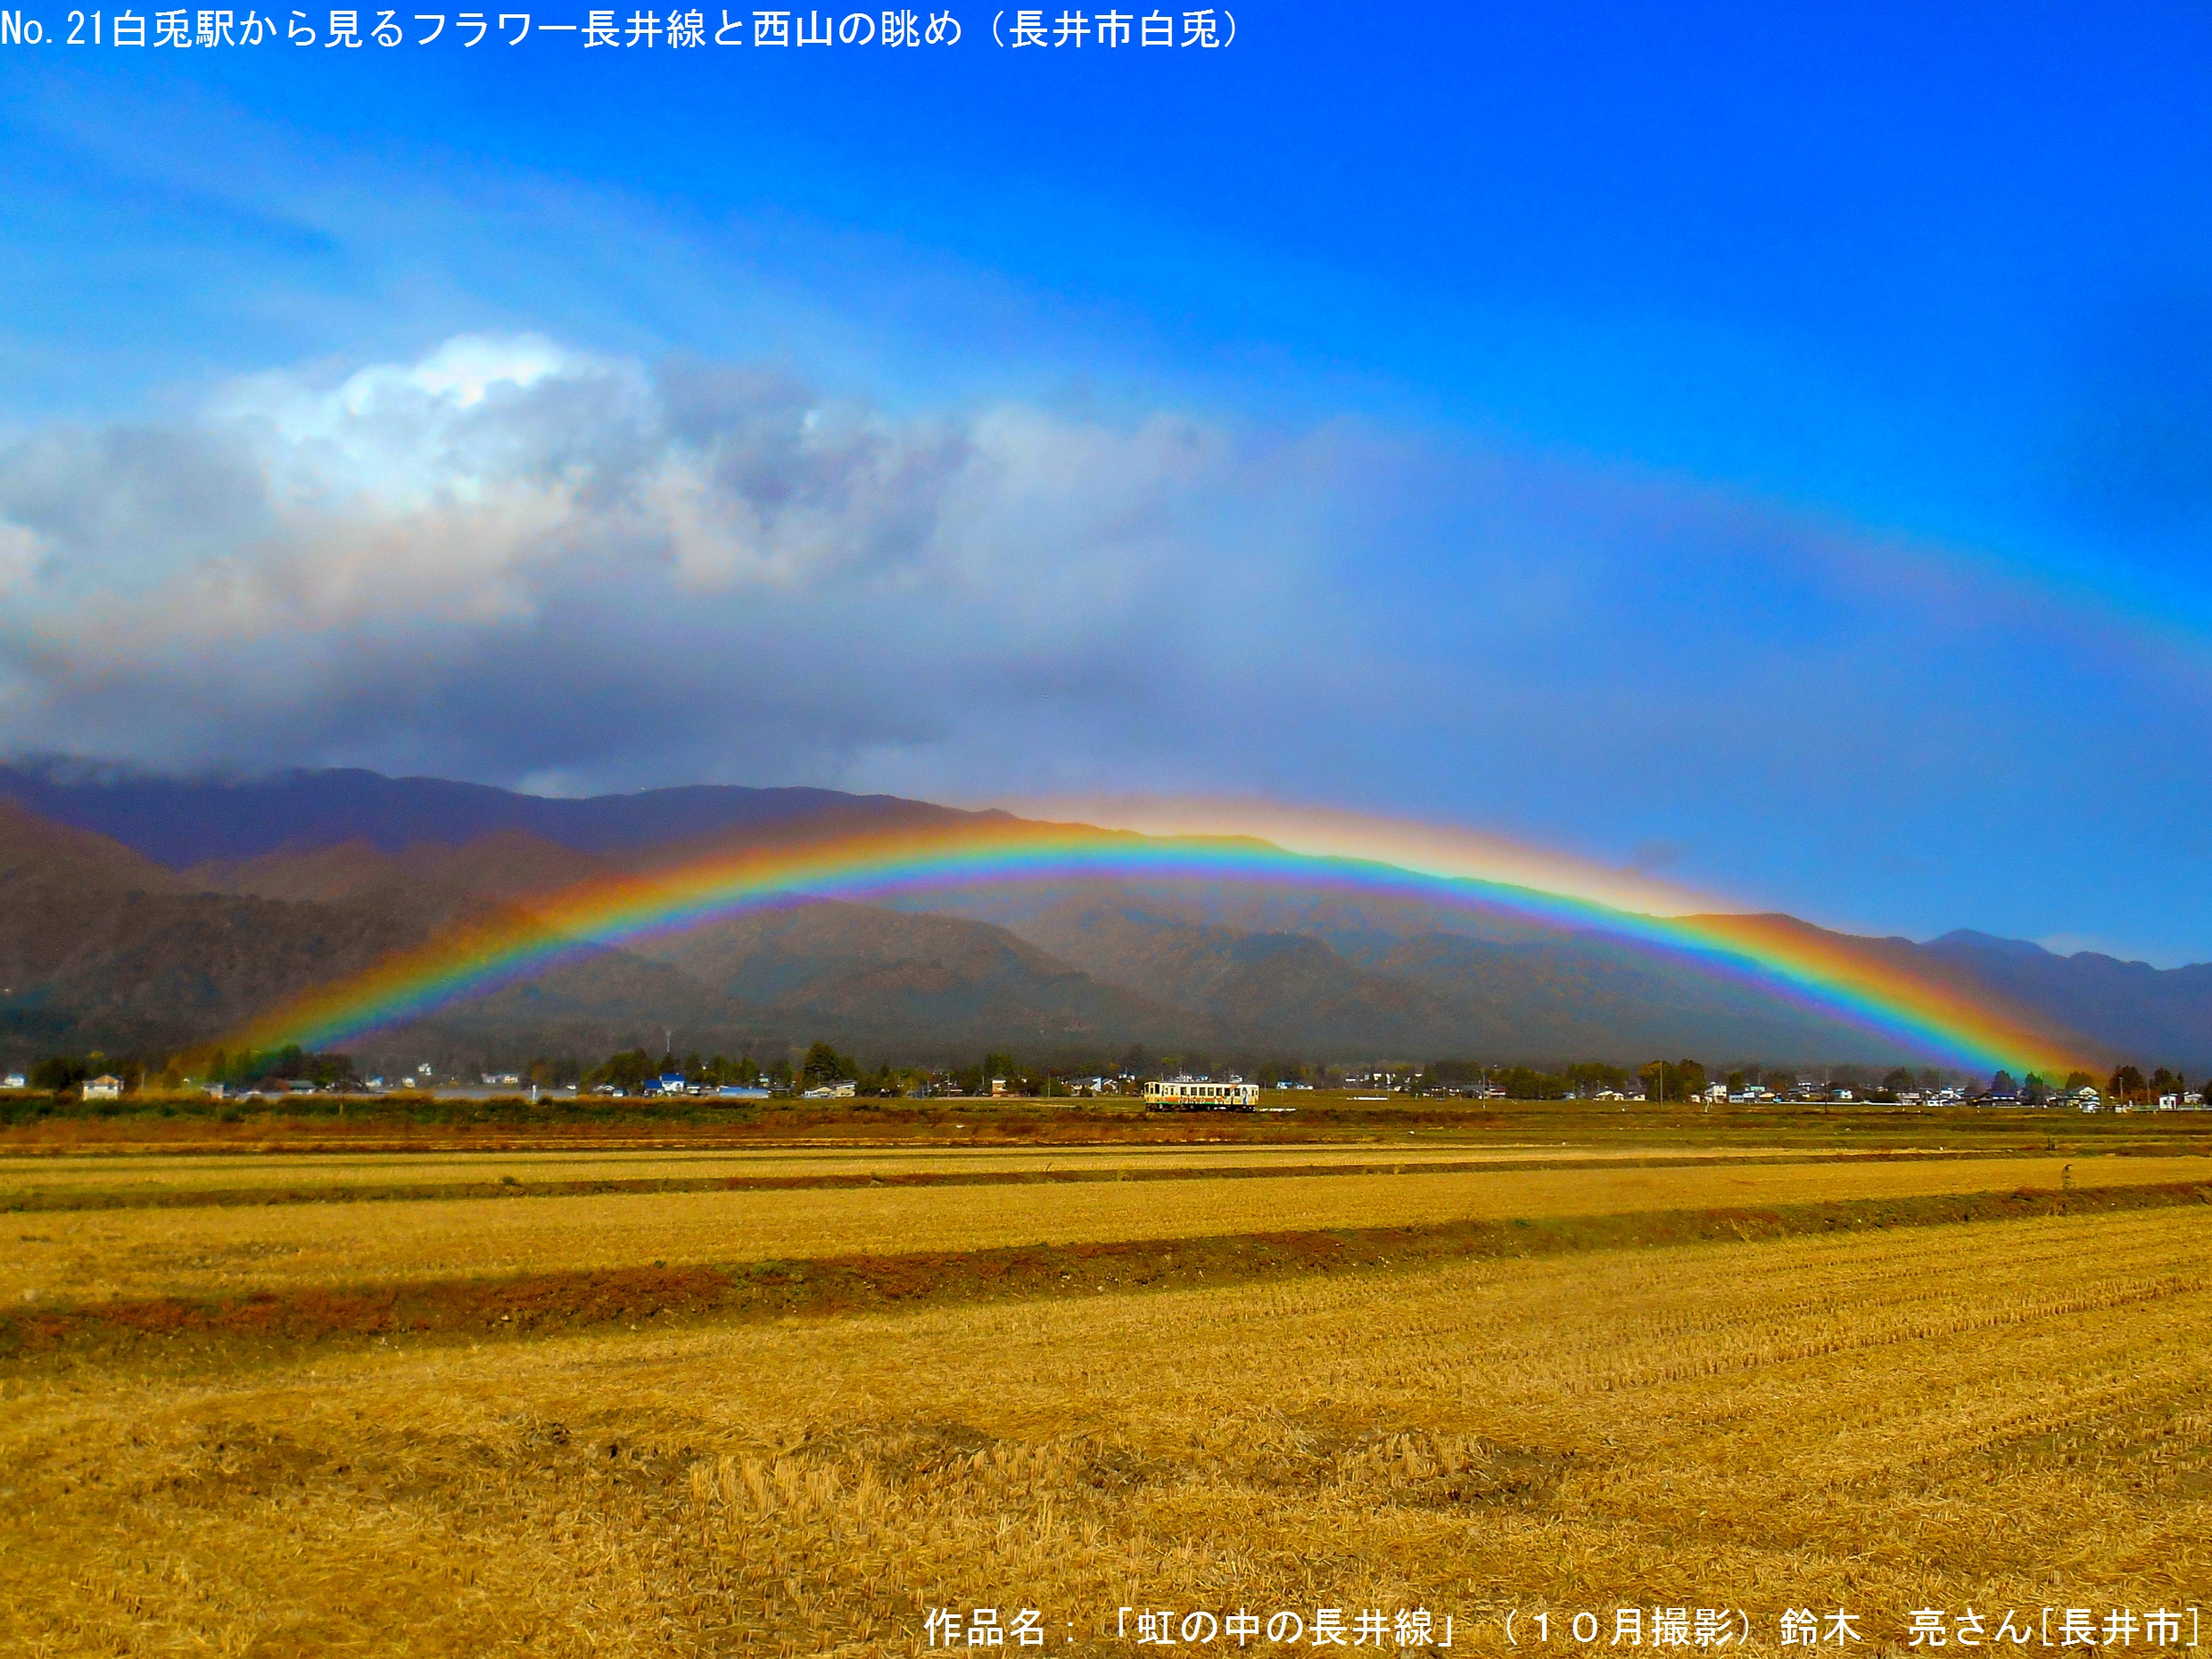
38 854
183 822
137 911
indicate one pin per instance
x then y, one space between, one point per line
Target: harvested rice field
80 1255
1976 1386
66 1179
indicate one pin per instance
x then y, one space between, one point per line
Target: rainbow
1826 974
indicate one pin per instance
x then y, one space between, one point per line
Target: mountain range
145 914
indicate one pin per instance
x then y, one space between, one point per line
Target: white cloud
368 565
475 414
22 554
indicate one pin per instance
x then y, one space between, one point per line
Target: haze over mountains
144 914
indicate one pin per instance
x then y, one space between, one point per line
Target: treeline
1687 1079
821 1066
632 1071
282 1066
2128 1084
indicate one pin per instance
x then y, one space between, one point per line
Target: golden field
124 1176
1988 1414
2010 1415
88 1255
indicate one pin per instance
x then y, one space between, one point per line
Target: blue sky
1768 448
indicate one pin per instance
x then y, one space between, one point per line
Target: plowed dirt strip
2004 1415
78 1255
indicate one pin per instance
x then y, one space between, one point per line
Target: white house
106 1086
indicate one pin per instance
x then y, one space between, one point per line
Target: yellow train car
1185 1095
